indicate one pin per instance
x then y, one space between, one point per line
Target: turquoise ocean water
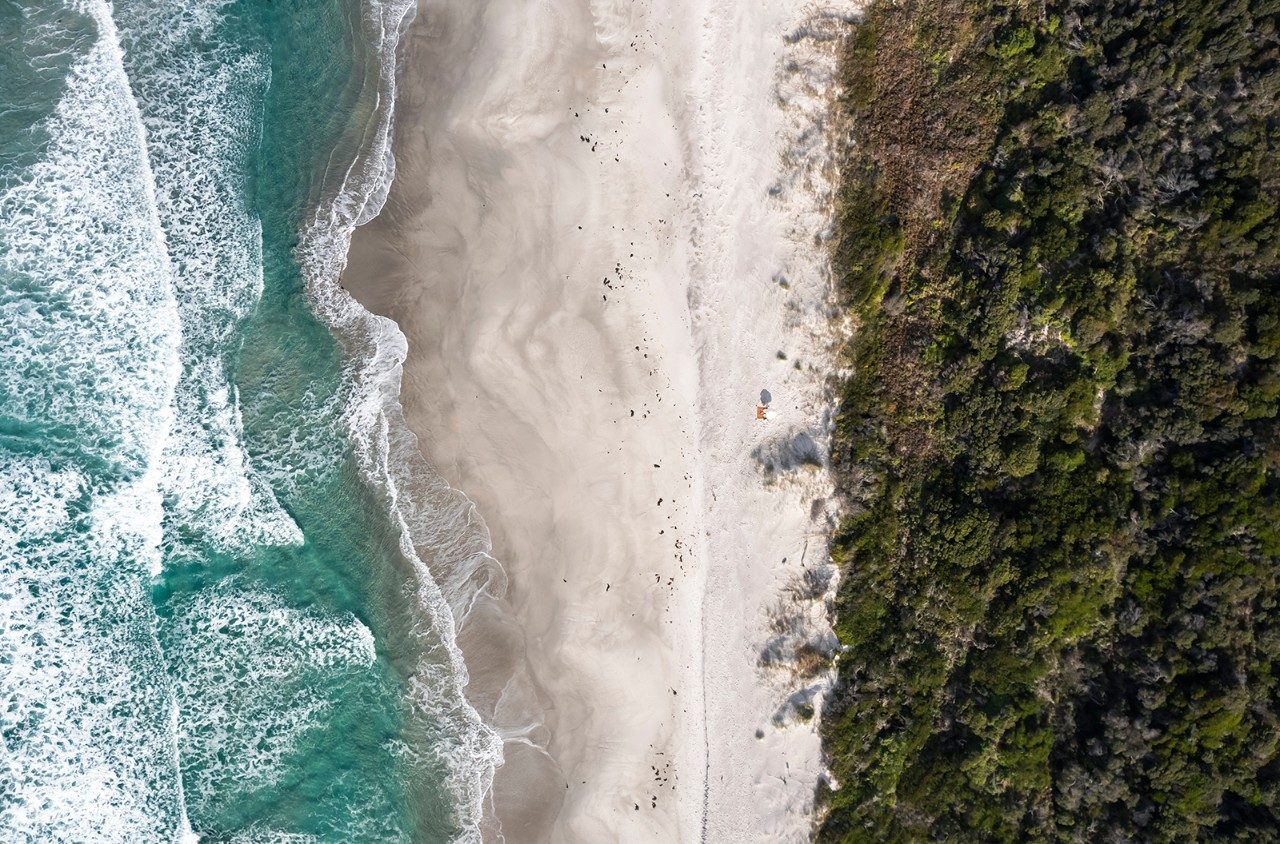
228 592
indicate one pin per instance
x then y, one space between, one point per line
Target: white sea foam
258 835
200 98
236 654
89 364
88 352
86 708
441 535
89 335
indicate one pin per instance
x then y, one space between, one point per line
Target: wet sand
603 241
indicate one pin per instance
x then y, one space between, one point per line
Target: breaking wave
442 538
89 338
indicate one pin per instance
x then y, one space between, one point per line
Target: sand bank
603 242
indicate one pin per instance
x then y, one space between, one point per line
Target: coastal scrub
1057 450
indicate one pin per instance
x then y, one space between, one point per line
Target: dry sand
603 241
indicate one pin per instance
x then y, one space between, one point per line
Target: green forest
1058 451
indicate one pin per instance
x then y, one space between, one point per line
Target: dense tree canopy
1059 238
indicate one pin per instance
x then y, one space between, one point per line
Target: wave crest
441 536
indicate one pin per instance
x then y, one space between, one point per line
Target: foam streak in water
88 362
388 454
200 98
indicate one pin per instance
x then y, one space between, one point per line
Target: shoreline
446 566
597 256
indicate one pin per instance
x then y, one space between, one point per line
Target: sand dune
603 242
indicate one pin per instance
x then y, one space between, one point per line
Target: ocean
229 588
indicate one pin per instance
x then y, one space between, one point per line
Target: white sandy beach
603 242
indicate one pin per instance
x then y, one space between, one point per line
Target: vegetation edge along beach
1057 237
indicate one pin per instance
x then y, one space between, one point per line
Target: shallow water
213 620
